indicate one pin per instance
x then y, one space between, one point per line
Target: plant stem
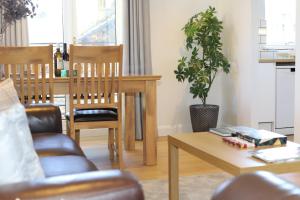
211 80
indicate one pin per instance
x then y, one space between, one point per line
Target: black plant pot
204 117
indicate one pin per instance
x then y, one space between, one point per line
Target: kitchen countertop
275 60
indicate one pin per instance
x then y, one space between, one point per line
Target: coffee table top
210 147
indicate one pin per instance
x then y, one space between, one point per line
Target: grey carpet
199 187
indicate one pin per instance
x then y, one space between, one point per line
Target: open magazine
278 154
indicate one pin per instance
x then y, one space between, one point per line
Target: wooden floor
96 149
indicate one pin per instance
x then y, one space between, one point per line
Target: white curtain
15 35
134 32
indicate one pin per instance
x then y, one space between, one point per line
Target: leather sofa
257 186
69 174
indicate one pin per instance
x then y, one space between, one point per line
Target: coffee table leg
173 172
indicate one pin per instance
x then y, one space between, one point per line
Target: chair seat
88 115
50 144
66 165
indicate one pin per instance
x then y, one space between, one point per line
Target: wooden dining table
131 85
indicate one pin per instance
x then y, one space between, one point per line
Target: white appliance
285 95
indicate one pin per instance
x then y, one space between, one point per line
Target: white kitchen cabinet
285 99
274 95
264 97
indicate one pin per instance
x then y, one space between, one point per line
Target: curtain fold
15 35
137 51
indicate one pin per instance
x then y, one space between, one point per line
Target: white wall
297 77
239 48
236 93
167 19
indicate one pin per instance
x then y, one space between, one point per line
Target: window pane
95 21
46 26
281 22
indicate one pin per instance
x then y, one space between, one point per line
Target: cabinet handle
293 69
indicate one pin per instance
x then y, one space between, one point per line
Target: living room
136 162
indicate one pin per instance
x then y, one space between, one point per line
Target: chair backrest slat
29 85
99 74
113 75
106 75
23 64
78 82
36 83
22 94
85 82
51 82
43 69
92 83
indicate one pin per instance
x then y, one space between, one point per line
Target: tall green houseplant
204 47
200 66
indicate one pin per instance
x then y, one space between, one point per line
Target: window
98 24
46 26
79 21
281 22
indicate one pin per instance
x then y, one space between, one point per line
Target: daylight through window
281 22
77 21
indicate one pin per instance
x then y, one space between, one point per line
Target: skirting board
166 130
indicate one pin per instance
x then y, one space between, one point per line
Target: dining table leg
150 124
129 121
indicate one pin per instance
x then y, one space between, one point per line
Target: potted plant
13 10
200 66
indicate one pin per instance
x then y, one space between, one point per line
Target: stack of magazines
257 137
224 132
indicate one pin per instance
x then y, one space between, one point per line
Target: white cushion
19 161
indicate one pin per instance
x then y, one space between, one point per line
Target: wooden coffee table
210 148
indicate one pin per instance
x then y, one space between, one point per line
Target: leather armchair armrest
100 185
258 186
44 118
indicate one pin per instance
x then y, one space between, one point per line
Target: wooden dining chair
95 97
31 69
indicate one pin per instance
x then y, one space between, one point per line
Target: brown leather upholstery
88 115
49 144
44 118
105 185
63 165
46 128
69 176
257 186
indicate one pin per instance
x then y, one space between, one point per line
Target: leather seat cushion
66 165
49 144
87 115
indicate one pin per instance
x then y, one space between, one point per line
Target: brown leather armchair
101 185
257 186
70 175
